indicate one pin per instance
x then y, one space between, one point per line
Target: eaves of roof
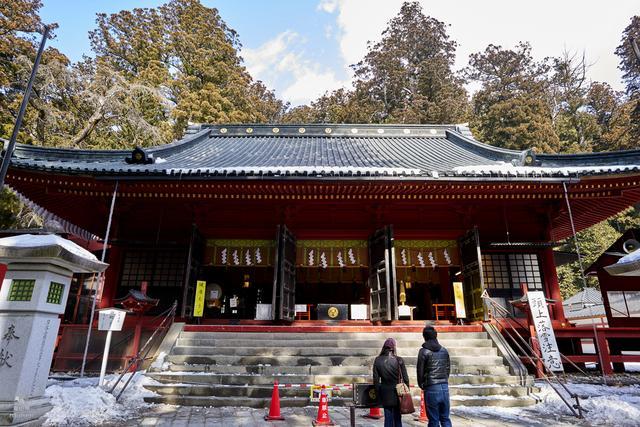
432 152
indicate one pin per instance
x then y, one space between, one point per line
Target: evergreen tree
629 54
587 116
575 126
408 75
20 25
339 106
189 52
612 113
512 109
593 241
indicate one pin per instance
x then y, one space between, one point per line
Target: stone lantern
32 297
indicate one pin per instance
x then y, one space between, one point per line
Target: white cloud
258 61
328 6
282 64
309 84
549 25
328 31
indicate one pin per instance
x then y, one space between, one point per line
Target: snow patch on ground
160 363
606 405
80 402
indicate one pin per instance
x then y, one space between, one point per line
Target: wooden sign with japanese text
458 295
544 331
198 306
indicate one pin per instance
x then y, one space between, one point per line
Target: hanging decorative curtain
237 252
426 253
332 253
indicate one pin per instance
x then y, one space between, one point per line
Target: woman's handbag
404 394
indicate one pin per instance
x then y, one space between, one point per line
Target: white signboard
544 331
359 312
111 319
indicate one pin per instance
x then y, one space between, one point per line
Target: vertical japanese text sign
458 294
198 306
546 337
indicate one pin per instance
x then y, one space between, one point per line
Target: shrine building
326 221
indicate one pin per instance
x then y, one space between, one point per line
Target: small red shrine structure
283 216
620 287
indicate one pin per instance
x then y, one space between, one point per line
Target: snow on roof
300 170
629 258
44 240
508 169
586 296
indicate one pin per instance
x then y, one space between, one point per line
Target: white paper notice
544 331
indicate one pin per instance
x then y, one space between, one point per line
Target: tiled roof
429 151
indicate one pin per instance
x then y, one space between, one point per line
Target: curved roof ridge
179 145
503 154
28 151
594 158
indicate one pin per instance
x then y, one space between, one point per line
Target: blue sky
302 48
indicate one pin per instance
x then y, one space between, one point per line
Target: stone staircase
239 368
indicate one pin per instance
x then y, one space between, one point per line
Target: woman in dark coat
385 378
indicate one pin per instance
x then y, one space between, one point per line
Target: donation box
365 396
333 311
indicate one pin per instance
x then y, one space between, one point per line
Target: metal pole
105 358
23 107
584 283
95 294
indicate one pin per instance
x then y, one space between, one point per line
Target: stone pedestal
34 293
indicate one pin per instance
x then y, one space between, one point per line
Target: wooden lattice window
508 271
158 267
21 289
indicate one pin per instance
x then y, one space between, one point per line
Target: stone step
319 351
506 379
197 378
501 401
238 369
287 402
468 369
260 391
341 343
375 336
239 391
492 390
336 360
235 402
259 379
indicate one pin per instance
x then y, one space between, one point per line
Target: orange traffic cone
323 411
423 410
374 413
274 408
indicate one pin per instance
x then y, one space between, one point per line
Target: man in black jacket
433 378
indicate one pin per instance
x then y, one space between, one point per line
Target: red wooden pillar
111 276
603 348
3 271
552 285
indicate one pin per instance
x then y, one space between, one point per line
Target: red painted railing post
605 357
